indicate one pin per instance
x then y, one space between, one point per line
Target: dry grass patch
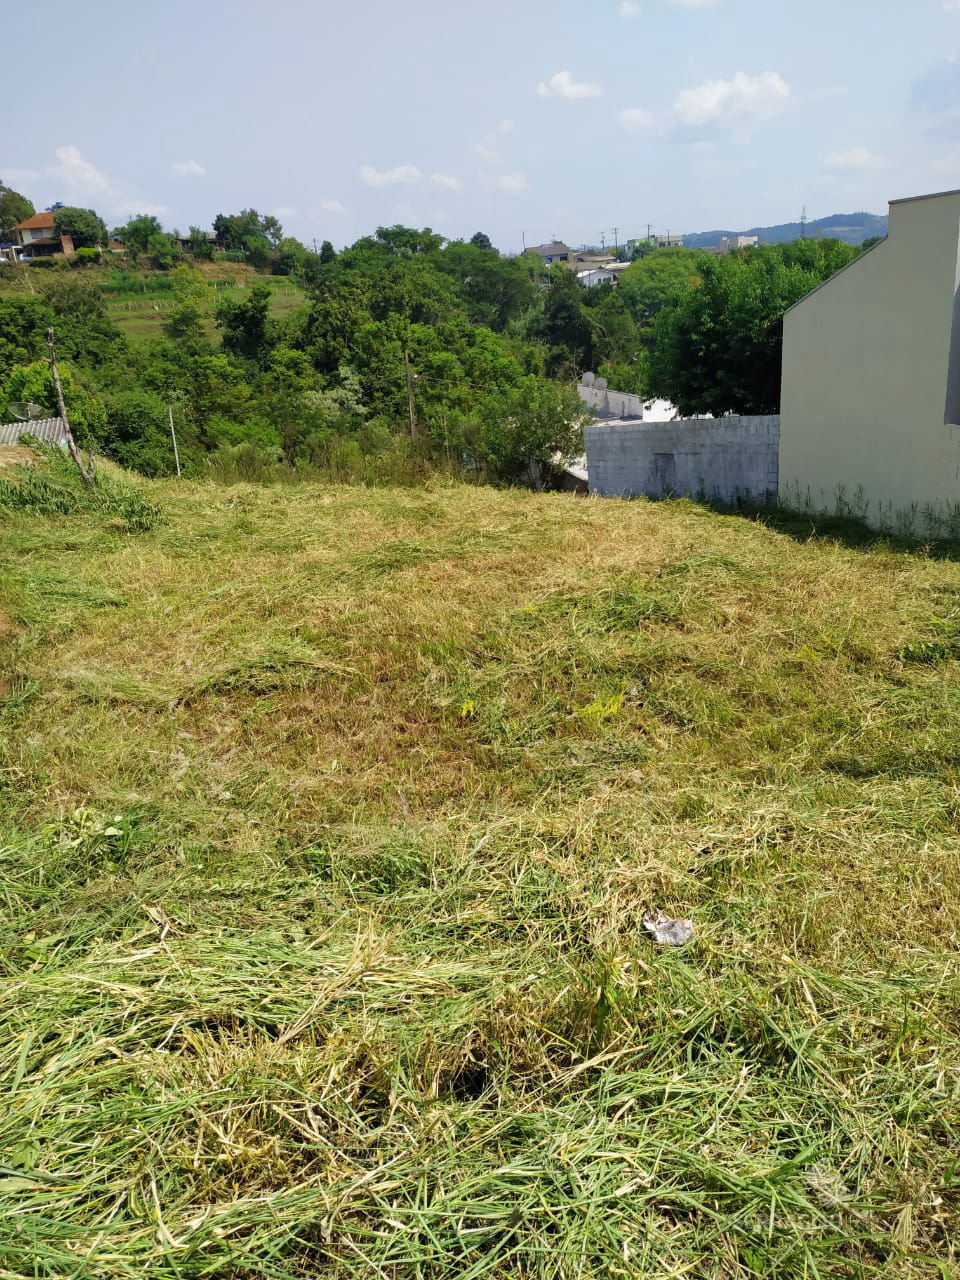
330 819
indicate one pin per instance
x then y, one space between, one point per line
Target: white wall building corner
870 397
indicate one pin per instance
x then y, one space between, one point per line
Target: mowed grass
330 818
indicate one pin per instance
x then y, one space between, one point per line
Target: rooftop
37 220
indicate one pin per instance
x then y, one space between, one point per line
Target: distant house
598 273
730 243
669 242
555 251
870 394
589 258
36 237
186 242
595 275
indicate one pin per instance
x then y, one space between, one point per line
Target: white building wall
866 365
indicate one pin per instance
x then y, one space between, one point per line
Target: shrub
86 257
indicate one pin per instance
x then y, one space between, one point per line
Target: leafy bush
86 257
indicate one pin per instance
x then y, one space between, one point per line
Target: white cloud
446 182
744 98
78 174
693 4
285 211
188 169
856 160
488 148
562 85
952 6
328 206
630 9
79 181
638 120
514 184
400 175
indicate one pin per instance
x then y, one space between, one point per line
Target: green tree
23 331
568 326
84 226
136 233
34 383
136 433
191 296
200 245
496 290
249 233
163 251
513 430
244 324
480 240
717 349
14 208
649 283
289 257
327 252
405 242
84 330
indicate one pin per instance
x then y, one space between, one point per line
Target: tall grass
328 821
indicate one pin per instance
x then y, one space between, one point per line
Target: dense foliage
717 346
85 227
13 209
410 352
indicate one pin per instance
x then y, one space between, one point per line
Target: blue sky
515 117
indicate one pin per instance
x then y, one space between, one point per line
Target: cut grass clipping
330 819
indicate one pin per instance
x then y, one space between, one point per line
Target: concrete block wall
611 404
724 459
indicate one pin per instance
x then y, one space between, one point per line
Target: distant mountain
852 228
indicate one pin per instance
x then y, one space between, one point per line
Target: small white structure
49 430
870 398
596 275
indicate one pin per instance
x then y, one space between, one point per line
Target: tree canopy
85 227
14 208
717 348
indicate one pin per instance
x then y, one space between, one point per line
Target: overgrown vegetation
329 821
400 356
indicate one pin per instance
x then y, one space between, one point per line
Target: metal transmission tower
803 224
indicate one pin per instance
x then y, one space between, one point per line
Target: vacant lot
329 822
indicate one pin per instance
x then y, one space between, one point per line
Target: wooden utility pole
413 416
87 472
173 434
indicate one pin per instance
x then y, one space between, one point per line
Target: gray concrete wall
611 404
725 459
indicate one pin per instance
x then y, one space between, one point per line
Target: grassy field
143 314
139 302
329 822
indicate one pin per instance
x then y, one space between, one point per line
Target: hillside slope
851 228
330 818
